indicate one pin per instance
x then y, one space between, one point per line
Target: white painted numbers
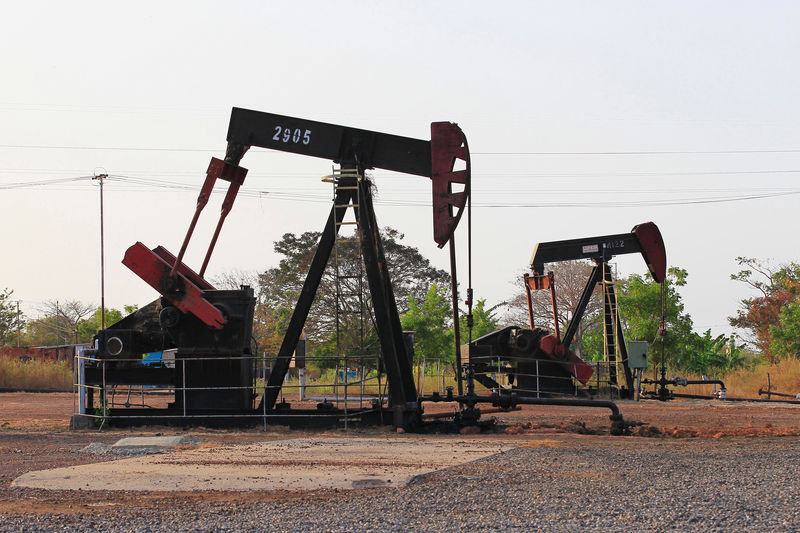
296 136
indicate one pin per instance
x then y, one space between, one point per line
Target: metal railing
353 384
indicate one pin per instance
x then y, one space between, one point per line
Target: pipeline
728 399
435 416
774 393
665 394
506 401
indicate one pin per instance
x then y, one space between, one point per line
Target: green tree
483 321
785 335
10 321
712 355
88 328
430 321
639 301
279 287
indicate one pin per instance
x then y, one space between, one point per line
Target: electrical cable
133 183
576 153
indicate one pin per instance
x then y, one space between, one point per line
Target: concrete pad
298 464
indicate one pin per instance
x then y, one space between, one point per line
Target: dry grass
57 375
35 374
784 376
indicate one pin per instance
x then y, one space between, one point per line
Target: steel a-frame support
613 335
402 392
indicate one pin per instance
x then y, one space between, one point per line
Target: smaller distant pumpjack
537 360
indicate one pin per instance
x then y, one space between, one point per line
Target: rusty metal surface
653 251
448 145
573 364
178 289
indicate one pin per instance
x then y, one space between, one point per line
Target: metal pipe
762 400
683 382
773 393
664 394
454 296
434 416
706 381
512 400
728 399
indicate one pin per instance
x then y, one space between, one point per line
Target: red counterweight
555 349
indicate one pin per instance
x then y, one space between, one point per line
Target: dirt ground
35 435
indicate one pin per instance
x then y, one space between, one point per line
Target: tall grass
35 374
784 377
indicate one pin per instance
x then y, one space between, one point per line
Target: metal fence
351 384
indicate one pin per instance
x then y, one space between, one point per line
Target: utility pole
100 178
18 326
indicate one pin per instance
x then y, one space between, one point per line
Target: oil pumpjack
209 330
535 360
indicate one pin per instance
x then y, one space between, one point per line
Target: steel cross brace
402 391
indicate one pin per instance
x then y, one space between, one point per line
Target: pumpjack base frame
293 418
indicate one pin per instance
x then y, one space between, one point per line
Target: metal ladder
611 352
348 274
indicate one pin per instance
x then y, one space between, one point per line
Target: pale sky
583 118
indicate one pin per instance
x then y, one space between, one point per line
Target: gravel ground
553 483
741 476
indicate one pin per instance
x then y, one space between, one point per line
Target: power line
118 148
504 174
616 152
25 184
317 198
132 183
649 152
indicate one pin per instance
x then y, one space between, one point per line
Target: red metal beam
179 288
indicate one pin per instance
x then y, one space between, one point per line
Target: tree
710 355
483 321
770 319
570 279
59 323
88 328
785 335
10 319
639 302
269 320
234 279
279 288
430 321
43 331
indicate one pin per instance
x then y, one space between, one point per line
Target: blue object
348 375
152 358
